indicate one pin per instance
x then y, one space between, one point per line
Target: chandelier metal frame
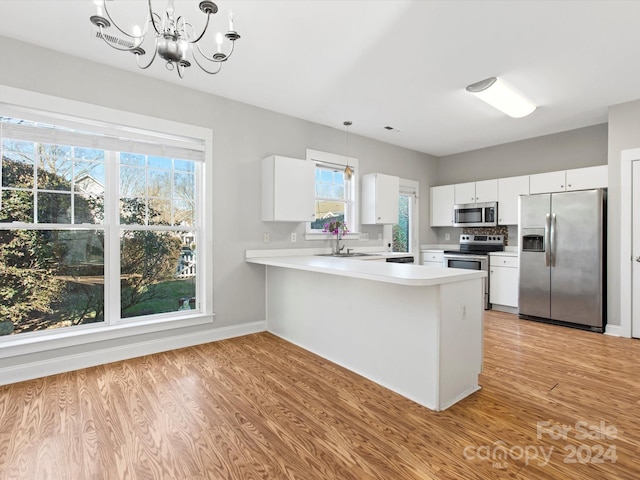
175 38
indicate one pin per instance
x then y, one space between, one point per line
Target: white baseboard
67 363
613 330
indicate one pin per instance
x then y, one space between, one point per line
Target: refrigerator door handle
553 240
547 241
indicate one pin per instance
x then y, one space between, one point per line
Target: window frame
16 102
332 160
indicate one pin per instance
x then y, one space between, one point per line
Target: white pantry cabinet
442 206
476 192
503 280
288 189
380 199
509 189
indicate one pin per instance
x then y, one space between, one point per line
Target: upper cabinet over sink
380 199
476 192
288 189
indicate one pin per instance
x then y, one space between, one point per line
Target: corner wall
624 133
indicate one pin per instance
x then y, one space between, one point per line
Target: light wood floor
258 407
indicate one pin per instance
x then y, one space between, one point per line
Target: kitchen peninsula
413 329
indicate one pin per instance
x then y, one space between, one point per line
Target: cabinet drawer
432 256
503 261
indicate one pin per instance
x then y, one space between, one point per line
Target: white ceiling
398 63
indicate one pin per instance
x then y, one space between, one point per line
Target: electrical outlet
265 237
447 236
293 238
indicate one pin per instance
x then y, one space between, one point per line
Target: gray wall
624 133
243 135
583 147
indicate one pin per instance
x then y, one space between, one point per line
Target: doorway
404 236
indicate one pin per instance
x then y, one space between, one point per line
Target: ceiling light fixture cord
348 171
175 39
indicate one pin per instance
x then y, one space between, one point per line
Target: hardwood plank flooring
258 407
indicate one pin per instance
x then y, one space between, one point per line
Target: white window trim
342 161
14 345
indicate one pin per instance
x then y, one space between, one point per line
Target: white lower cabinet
503 280
432 258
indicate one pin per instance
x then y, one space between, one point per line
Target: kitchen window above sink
335 194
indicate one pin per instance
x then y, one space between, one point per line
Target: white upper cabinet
589 177
464 193
509 189
567 180
442 206
380 199
476 192
487 191
547 182
288 189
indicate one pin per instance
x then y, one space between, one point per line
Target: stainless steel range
473 254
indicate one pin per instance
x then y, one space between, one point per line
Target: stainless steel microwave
476 215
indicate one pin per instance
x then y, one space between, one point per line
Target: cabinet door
547 182
288 190
380 199
464 193
503 286
487 191
509 189
589 177
442 206
387 199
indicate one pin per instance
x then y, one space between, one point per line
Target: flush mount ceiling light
500 96
171 36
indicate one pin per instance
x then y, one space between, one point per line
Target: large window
95 227
335 193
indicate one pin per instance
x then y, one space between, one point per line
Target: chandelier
174 38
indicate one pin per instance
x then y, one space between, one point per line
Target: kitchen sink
350 254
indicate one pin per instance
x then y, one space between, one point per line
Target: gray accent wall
242 136
583 147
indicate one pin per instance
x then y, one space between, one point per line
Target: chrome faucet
337 248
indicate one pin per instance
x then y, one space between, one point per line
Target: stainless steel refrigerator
563 258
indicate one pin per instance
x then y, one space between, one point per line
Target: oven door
470 262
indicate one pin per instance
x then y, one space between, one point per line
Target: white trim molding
70 362
626 254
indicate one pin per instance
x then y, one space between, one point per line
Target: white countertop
505 253
398 273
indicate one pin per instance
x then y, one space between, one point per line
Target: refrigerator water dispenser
533 242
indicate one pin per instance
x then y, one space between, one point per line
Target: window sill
14 346
330 236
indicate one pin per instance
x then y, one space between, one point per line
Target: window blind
38 127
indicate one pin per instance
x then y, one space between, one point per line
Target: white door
635 250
